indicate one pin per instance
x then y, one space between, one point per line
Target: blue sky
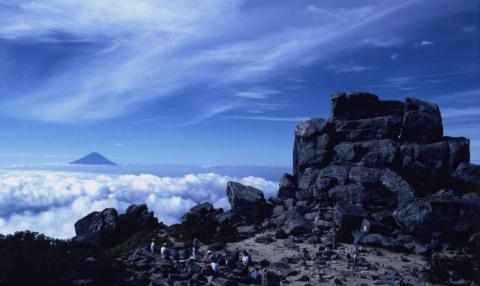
220 81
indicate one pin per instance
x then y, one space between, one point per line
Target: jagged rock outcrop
377 156
98 229
106 228
201 222
136 218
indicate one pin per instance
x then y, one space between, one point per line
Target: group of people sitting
237 262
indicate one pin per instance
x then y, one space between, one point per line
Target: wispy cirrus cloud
345 68
127 54
267 118
382 42
423 43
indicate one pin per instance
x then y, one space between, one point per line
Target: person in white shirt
153 246
195 248
164 251
215 266
246 259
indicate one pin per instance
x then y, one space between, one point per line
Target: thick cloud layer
51 202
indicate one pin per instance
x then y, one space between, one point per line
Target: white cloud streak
51 202
267 118
152 50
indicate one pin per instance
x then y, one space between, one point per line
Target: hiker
246 259
196 249
174 254
209 256
236 255
359 235
153 246
255 275
215 266
435 241
357 238
355 257
365 226
306 254
333 233
164 251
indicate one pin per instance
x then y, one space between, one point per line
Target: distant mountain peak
93 158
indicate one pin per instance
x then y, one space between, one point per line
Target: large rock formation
247 202
106 228
98 229
376 156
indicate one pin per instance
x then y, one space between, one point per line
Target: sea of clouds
52 201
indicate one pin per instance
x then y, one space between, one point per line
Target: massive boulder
98 229
428 165
458 152
287 187
306 184
422 122
381 127
248 202
454 219
466 178
354 194
312 145
360 105
373 153
383 181
348 218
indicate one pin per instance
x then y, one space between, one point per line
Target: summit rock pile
387 162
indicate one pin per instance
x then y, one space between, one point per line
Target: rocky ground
381 173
